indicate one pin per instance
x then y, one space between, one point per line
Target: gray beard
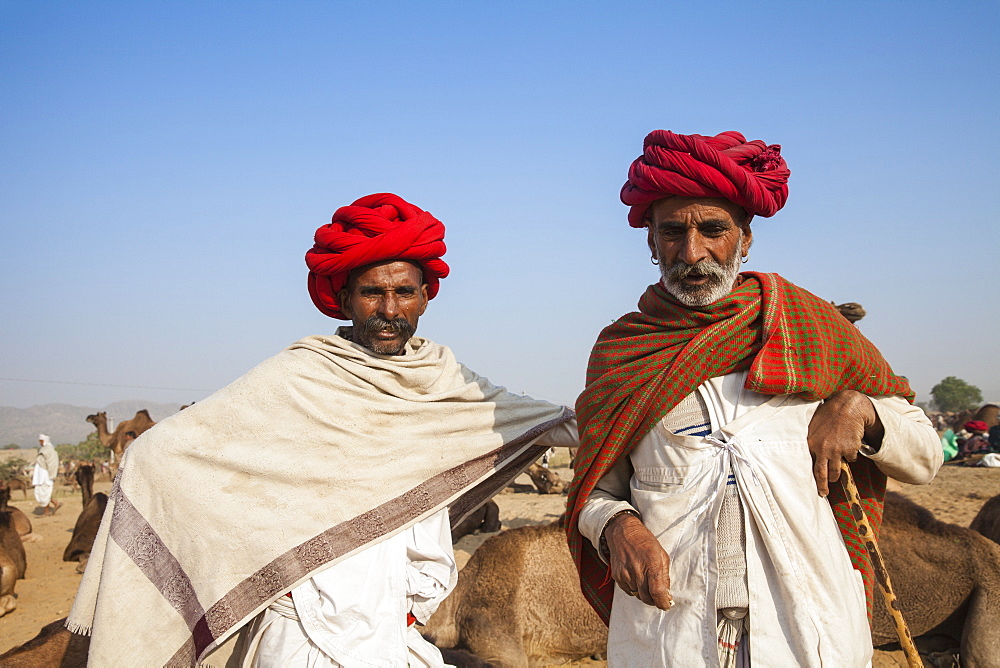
722 277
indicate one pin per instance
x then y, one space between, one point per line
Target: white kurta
353 614
807 604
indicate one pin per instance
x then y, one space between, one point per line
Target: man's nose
693 249
389 307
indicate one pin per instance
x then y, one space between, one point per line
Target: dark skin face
691 229
384 302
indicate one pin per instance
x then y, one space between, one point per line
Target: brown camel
18 483
546 481
519 588
13 563
853 311
518 603
485 518
84 477
85 531
987 520
947 579
20 521
53 647
123 435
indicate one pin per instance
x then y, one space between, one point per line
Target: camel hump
987 520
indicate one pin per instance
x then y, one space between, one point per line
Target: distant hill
68 424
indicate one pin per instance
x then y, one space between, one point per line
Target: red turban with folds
375 228
749 173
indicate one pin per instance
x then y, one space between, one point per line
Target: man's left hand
840 426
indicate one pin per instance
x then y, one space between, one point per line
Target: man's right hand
639 564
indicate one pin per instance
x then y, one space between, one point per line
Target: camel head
99 417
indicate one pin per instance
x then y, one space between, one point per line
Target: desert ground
47 592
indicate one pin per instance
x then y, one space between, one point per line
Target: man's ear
747 238
649 237
424 299
344 304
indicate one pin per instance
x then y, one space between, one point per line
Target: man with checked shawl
706 516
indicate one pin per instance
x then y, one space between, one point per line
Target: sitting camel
546 481
85 531
20 521
13 563
947 579
987 520
518 603
124 434
485 518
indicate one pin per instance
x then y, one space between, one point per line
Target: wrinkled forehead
680 208
395 272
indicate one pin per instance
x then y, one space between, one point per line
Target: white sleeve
611 495
911 450
562 436
431 571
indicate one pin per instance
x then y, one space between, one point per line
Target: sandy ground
46 594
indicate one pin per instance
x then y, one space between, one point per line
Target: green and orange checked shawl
647 361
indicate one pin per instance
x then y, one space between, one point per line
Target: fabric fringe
78 629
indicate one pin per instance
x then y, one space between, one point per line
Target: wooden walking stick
867 534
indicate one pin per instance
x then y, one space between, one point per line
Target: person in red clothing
714 423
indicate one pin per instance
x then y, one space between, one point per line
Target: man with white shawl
44 476
307 501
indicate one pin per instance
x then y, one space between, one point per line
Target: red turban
976 425
751 174
373 229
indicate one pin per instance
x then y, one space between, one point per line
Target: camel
85 531
518 603
987 520
20 521
84 477
546 481
947 579
18 483
53 646
853 311
513 598
119 440
485 518
13 563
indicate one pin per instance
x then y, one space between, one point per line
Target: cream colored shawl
313 454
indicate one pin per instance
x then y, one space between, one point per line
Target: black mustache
377 323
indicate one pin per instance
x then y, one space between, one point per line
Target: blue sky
163 166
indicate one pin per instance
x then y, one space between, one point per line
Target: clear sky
163 166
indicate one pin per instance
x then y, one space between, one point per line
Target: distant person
976 443
994 438
45 474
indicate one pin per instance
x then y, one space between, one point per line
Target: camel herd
518 602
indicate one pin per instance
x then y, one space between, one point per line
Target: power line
136 387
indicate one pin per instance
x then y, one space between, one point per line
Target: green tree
11 468
10 446
954 394
88 449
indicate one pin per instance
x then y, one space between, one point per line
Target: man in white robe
713 428
308 501
44 476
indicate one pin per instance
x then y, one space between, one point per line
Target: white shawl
313 454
